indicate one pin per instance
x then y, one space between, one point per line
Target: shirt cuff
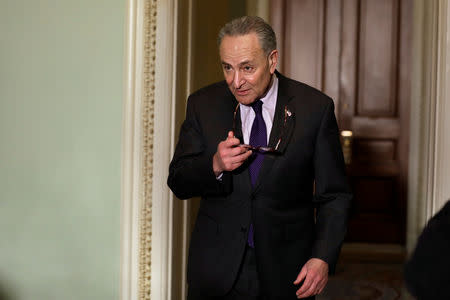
219 177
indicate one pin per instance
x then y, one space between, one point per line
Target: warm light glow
346 133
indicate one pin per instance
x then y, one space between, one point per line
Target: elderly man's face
247 69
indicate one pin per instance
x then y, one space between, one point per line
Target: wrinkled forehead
240 45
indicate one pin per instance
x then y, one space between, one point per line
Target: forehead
240 47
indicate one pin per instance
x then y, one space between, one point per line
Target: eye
227 67
248 69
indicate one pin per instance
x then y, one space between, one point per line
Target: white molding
162 210
428 182
442 138
421 121
131 158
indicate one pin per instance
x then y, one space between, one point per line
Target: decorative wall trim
162 205
148 137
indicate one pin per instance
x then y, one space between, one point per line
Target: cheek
264 81
253 81
228 80
259 83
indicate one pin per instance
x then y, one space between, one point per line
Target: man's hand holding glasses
230 155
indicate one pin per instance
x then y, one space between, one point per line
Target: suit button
243 229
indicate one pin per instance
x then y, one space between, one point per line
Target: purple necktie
258 137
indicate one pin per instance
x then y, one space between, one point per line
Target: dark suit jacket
281 205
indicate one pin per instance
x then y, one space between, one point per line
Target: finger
241 158
233 160
237 161
235 151
321 286
232 142
309 292
305 286
300 276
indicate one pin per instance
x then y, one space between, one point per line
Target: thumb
301 276
230 134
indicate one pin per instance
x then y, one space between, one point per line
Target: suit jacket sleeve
190 172
332 195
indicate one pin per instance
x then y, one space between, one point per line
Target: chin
245 100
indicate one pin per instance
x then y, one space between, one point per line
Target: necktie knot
257 107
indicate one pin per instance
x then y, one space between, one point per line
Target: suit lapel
238 123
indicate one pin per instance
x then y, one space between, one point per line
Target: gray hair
250 24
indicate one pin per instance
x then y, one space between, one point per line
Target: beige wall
208 18
60 132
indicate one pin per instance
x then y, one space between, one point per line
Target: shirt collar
270 98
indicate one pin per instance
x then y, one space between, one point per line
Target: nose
238 80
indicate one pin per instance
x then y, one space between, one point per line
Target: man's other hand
228 156
315 276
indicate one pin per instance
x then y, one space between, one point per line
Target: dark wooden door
358 52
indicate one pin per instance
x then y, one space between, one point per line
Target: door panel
358 52
306 45
377 83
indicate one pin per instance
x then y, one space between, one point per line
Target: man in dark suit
263 152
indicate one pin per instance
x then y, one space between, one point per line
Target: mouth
242 92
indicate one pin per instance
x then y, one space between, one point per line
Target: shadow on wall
6 293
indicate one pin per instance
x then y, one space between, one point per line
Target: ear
273 60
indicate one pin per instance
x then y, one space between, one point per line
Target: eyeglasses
263 149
